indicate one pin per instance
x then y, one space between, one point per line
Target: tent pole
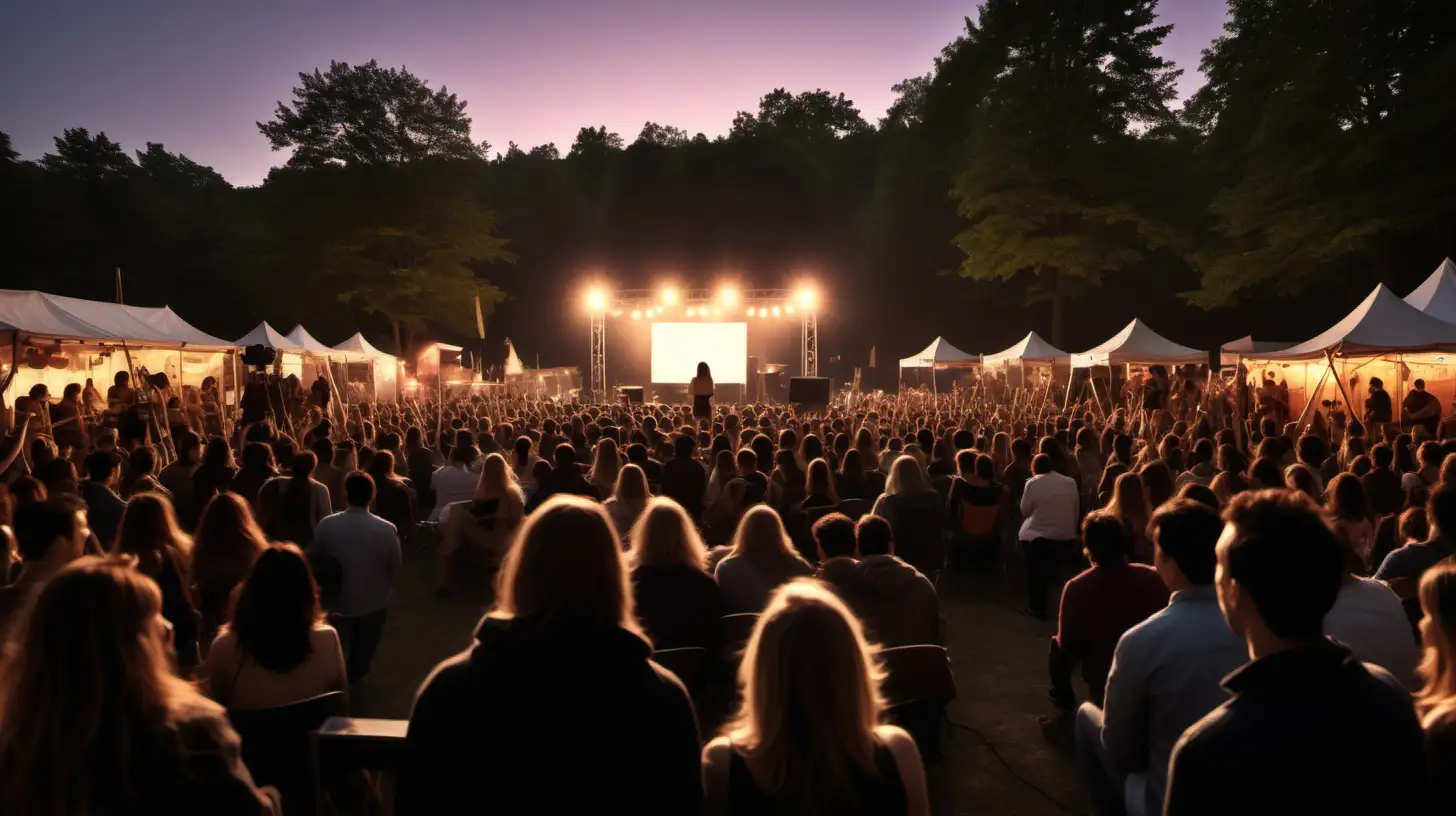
1311 400
1340 382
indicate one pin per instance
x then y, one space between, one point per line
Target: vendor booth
369 374
939 356
1136 346
1383 337
1031 363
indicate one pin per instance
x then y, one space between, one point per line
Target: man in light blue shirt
365 550
1166 671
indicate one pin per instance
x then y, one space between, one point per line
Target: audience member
677 601
896 604
366 549
149 532
1050 505
761 558
227 543
49 535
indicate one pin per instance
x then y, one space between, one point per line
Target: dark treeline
1039 177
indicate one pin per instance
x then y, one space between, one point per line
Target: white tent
939 354
1382 323
1137 344
38 315
302 339
384 368
266 335
1230 352
1031 348
1436 296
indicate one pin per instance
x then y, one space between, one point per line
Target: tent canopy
1437 295
939 354
1031 348
1230 352
357 348
1381 323
266 335
66 318
302 339
1138 344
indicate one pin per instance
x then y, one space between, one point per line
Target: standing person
1379 413
149 532
762 557
1165 671
1098 606
1436 701
807 737
67 426
92 659
257 469
366 548
1345 502
293 505
215 475
177 477
227 543
1304 712
1050 505
49 535
490 721
1420 408
103 506
394 499
701 389
683 478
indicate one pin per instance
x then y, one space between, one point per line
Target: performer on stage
702 393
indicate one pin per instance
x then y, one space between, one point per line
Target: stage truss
622 303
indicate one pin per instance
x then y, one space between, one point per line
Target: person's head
1346 499
103 468
1420 385
189 447
1280 566
143 461
906 476
665 535
1437 593
1041 464
564 457
1301 478
1381 456
631 485
276 609
92 658
703 370
873 536
1441 511
683 447
381 467
1104 539
52 530
149 530
1203 452
1021 448
761 534
834 534
217 454
1230 460
323 448
1431 454
566 567
820 480
810 696
227 531
1184 534
1376 384
1413 526
747 461
1129 499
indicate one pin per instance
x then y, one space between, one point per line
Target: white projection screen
677 348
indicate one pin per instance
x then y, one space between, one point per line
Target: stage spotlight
669 295
596 300
775 311
808 297
636 314
728 295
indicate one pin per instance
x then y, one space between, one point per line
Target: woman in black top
213 476
806 739
677 601
819 488
149 531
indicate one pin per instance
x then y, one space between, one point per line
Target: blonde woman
917 514
481 530
149 532
762 557
1436 701
677 601
605 466
92 720
629 498
807 737
558 667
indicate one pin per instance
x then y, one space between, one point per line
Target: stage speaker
812 392
754 381
259 356
631 394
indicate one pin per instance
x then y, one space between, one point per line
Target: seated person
898 604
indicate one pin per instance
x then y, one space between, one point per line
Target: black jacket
685 482
567 481
558 718
1309 730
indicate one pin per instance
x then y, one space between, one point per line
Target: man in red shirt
1098 606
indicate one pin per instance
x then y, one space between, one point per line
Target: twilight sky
196 74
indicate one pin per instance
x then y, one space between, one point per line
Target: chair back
854 508
978 520
736 630
276 742
917 674
920 532
685 662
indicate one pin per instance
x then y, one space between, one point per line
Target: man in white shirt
1166 672
456 481
1051 505
366 550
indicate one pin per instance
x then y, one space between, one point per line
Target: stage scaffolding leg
810 344
598 373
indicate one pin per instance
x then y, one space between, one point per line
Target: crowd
1262 617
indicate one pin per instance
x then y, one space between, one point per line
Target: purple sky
197 75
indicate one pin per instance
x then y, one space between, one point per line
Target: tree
7 153
369 115
176 170
545 151
1328 125
814 114
79 155
1053 182
909 104
596 141
662 135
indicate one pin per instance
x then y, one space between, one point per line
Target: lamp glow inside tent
77 339
938 356
383 369
1383 337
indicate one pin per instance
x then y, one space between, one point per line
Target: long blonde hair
566 564
664 535
761 534
606 464
86 689
906 476
498 481
810 700
1436 701
631 485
